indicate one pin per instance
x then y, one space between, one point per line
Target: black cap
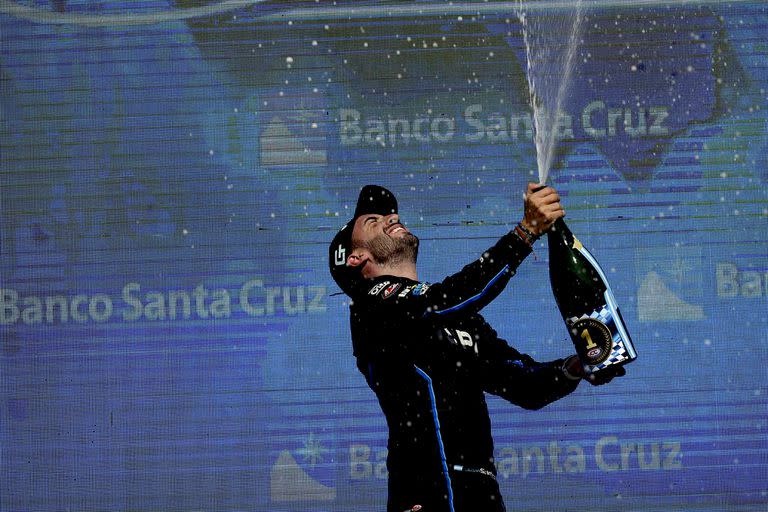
373 199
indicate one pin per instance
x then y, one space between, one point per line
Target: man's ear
358 258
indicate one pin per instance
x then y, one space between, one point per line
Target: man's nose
392 218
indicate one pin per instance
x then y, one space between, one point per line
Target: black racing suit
429 356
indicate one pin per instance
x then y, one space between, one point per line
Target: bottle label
593 339
600 337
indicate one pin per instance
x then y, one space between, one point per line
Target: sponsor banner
253 298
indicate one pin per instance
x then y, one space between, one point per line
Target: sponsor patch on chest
459 337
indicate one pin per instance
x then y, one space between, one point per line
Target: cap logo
340 255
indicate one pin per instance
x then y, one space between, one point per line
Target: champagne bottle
586 303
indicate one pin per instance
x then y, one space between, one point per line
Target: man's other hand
605 375
574 369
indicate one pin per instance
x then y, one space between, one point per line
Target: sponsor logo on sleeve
420 289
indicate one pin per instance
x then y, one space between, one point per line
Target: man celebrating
429 355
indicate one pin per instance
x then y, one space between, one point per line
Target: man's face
385 239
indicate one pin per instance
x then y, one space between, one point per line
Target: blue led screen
172 172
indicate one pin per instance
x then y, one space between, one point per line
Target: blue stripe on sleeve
475 297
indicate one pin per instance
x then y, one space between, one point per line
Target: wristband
525 235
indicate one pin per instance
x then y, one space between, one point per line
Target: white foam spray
549 65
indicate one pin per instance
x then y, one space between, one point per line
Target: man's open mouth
396 228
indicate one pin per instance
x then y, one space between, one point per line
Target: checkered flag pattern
619 352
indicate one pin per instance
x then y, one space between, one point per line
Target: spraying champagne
581 290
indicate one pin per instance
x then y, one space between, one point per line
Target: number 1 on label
585 335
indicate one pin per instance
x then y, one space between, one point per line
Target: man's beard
388 251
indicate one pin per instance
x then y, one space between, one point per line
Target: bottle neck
559 229
559 225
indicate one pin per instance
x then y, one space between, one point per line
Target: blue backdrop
171 173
